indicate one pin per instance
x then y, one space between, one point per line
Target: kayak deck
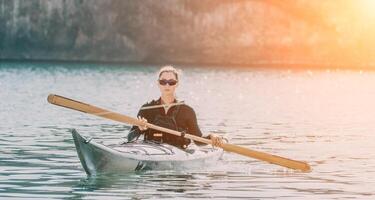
129 157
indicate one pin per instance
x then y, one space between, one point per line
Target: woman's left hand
216 140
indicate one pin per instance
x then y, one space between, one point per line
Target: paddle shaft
86 108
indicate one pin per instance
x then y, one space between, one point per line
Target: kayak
141 155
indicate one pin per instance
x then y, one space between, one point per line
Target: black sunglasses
169 82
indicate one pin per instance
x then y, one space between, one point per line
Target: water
325 117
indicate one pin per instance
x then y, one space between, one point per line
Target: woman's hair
169 68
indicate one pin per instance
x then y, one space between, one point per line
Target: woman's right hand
143 120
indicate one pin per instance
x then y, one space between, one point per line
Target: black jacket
180 117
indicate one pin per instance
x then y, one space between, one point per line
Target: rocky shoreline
228 32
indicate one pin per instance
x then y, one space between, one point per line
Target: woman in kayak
169 113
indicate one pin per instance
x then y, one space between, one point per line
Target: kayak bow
129 157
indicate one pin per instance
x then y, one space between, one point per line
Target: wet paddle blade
285 162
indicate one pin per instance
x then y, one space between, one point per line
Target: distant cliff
244 32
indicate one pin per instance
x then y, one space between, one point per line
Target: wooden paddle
83 107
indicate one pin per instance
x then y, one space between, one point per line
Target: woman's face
165 83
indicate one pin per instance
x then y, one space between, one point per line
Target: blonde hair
169 68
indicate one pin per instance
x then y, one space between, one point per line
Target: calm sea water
325 117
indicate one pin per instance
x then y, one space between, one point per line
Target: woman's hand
143 120
216 140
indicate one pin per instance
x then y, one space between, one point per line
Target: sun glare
367 8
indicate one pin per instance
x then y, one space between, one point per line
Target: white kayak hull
129 157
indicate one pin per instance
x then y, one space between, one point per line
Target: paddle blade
289 163
90 109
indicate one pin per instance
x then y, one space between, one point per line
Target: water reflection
133 185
